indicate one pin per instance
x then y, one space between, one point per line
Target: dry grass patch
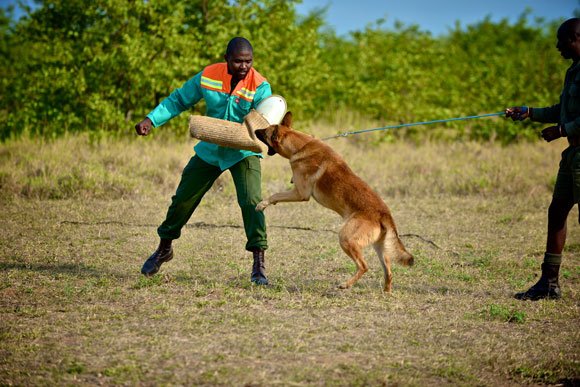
75 309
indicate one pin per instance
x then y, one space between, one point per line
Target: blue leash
344 134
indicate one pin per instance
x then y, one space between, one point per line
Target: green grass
75 309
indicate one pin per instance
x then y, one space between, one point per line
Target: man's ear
287 120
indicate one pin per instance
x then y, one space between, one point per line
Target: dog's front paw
262 205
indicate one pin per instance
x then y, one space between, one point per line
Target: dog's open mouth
261 135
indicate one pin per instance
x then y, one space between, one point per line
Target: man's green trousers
198 177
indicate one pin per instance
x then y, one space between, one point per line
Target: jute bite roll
230 134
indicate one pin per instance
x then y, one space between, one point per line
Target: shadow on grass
64 268
443 290
199 225
208 226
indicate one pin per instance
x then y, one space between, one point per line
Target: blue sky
436 16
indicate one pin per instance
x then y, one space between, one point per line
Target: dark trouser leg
196 179
247 177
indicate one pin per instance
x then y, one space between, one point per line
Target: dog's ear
287 120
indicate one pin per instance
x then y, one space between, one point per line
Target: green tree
99 66
96 66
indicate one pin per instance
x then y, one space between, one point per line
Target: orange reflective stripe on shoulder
247 88
258 78
213 77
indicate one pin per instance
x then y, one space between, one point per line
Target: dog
319 172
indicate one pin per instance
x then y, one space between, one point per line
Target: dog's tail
393 243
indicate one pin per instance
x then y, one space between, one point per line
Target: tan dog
319 172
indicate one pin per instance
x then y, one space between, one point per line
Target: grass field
80 218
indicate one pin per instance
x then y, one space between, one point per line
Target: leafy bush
75 66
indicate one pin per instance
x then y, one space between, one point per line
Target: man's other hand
143 128
553 132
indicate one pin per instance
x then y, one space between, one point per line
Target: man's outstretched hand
143 128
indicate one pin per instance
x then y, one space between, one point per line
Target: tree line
75 66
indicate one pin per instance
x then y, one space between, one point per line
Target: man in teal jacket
567 189
230 90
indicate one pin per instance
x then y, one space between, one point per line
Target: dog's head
273 135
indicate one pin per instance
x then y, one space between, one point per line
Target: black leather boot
164 253
259 268
546 287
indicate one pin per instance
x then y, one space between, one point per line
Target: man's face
240 63
568 44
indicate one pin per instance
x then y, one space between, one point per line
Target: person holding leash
566 114
230 89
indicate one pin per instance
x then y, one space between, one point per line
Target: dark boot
259 268
546 287
164 253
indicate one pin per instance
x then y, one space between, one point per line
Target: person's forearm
549 114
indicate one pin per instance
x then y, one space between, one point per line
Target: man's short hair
571 27
238 44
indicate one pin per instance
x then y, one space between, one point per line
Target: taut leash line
344 134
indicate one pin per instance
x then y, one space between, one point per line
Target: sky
435 16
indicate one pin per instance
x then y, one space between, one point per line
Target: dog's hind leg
385 261
353 238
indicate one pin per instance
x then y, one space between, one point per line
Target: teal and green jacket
567 111
213 85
